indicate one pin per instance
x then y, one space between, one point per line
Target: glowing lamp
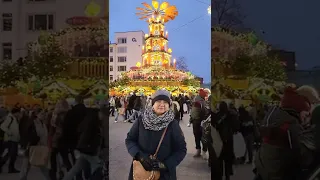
146 35
92 9
138 64
174 63
166 34
170 50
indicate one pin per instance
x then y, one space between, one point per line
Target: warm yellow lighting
170 50
142 47
209 10
138 64
92 9
146 35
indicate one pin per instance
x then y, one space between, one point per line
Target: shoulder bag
139 173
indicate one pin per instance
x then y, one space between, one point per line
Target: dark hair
78 99
223 107
15 110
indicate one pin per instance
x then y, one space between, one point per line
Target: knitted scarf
153 122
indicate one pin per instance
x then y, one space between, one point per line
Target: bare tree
226 13
181 64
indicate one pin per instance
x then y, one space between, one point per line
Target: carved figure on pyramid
156 52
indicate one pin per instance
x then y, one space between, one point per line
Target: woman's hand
146 162
158 166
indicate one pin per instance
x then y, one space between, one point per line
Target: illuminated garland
247 55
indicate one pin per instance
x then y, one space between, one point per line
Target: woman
37 136
144 136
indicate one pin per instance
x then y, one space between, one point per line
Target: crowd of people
128 107
63 141
281 139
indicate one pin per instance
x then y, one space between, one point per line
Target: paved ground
120 160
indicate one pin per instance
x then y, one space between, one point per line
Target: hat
310 93
296 99
202 93
161 95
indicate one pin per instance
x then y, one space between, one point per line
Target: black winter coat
90 135
73 119
171 153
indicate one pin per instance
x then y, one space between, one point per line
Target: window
111 77
7 51
122 50
111 59
40 22
7 22
122 40
122 59
111 49
111 68
122 68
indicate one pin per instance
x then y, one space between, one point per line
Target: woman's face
160 107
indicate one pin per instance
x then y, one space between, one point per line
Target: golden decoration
165 10
92 9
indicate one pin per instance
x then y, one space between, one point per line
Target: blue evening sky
289 25
191 40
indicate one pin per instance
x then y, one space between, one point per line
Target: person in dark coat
89 146
287 147
197 115
223 120
74 118
247 131
144 136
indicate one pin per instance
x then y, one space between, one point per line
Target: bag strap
160 142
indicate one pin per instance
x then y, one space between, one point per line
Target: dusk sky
187 39
289 25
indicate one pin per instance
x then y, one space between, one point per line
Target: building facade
125 52
22 21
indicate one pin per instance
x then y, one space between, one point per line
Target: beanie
310 93
161 95
202 93
293 100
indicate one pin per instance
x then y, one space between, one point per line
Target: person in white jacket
10 126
